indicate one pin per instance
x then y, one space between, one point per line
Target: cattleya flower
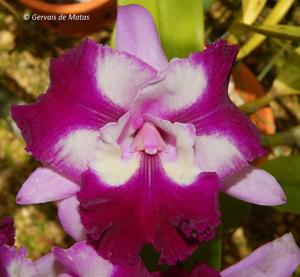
277 259
143 143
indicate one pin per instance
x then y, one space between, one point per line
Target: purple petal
83 260
197 84
194 91
227 140
7 231
44 185
120 76
88 85
215 63
61 127
48 266
279 258
256 186
15 263
136 34
70 219
177 87
218 153
149 209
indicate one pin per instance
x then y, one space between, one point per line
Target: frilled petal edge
149 208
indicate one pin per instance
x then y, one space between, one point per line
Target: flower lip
148 139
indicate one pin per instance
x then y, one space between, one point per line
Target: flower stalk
278 89
290 137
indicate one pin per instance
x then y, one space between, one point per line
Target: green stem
278 90
271 63
290 137
10 8
253 106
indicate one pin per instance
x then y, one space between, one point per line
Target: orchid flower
142 142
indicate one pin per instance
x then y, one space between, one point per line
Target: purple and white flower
139 140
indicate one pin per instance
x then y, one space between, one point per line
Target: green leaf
280 31
275 15
233 211
287 172
289 137
251 9
6 100
207 4
288 69
210 253
150 259
180 24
